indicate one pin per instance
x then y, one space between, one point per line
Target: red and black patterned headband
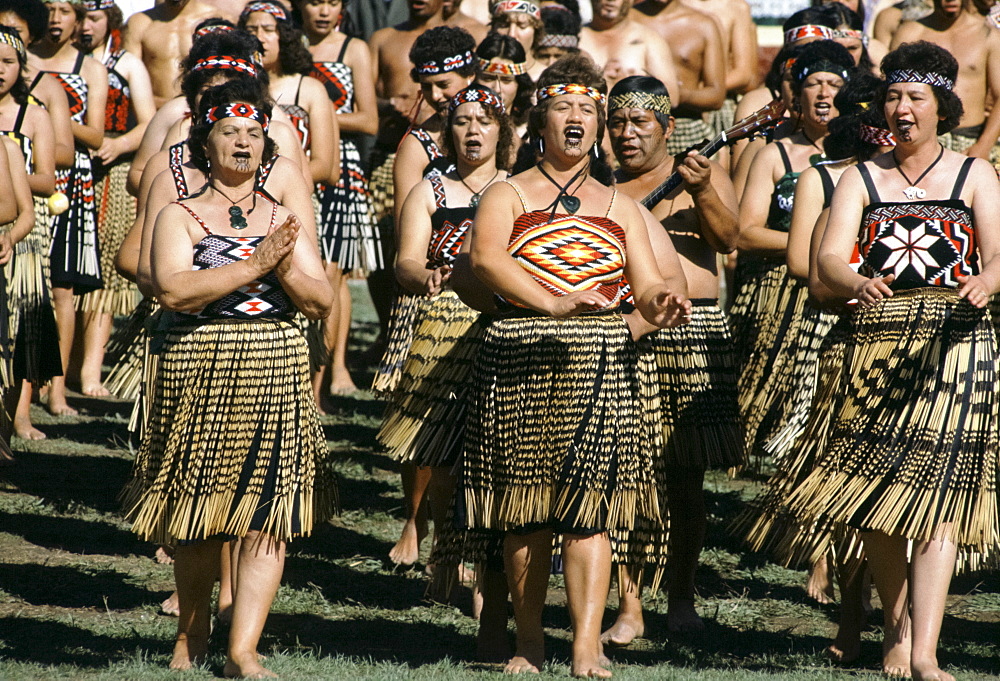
567 41
222 63
9 36
208 30
516 6
272 8
237 110
501 67
476 94
808 31
877 136
851 33
560 89
914 76
431 68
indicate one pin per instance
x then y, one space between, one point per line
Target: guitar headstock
757 122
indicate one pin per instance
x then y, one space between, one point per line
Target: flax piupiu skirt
234 442
913 446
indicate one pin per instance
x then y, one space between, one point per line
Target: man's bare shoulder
909 31
140 21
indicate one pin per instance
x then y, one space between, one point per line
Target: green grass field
79 594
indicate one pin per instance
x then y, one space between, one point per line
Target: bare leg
415 482
630 624
440 490
225 608
887 560
846 647
686 501
62 303
261 562
22 415
195 567
96 332
492 644
527 560
587 564
341 382
820 584
933 565
10 399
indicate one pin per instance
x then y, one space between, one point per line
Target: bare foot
625 629
896 659
492 640
341 383
929 671
407 549
170 606
528 659
61 408
682 618
520 665
95 390
24 429
846 647
843 653
188 651
164 555
820 587
246 667
587 661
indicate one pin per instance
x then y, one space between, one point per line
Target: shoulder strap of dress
176 163
437 185
21 112
873 196
79 61
824 177
343 49
298 89
265 172
524 206
195 216
274 215
963 173
784 157
35 80
614 194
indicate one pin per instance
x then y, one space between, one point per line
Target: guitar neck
675 180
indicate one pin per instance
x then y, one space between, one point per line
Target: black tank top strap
265 172
298 89
79 61
440 200
963 174
196 217
343 49
873 196
21 112
35 80
824 177
784 157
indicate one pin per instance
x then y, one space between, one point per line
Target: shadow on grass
94 481
70 587
73 535
50 642
339 584
367 494
102 433
333 542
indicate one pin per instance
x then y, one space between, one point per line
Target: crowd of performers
558 370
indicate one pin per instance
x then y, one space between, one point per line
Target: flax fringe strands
115 215
29 296
913 447
766 319
688 132
424 421
126 350
404 315
554 433
234 442
6 336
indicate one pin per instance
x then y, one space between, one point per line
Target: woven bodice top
338 79
568 253
262 298
449 227
76 90
437 162
119 114
923 243
299 117
23 141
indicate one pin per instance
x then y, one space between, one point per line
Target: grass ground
79 594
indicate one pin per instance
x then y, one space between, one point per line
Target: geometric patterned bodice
262 298
119 116
570 253
924 243
76 90
338 79
449 227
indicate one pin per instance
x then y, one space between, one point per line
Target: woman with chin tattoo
767 308
234 449
554 440
911 455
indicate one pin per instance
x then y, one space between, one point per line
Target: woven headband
877 136
553 40
237 110
208 30
68 2
822 66
560 89
913 76
640 100
851 33
11 38
474 94
808 31
521 6
223 63
430 68
272 8
501 67
97 5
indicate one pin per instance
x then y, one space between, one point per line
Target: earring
541 147
596 151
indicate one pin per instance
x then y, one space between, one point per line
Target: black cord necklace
236 219
913 192
815 158
474 201
568 201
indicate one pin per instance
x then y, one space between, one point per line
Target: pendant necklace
474 201
568 201
913 192
236 219
815 158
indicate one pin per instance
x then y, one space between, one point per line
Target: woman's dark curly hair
243 90
496 46
234 43
860 14
32 12
573 68
777 71
927 57
438 44
857 105
821 52
505 140
294 56
18 89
